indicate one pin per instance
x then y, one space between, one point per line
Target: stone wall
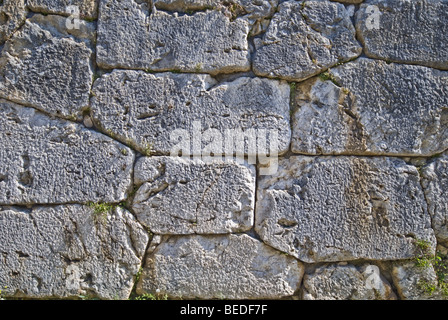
343 194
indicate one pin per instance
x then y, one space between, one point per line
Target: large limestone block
12 15
305 38
52 161
85 8
130 38
47 70
180 196
225 267
373 108
64 252
435 186
343 208
143 109
412 32
346 282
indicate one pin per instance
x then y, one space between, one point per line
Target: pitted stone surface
143 109
410 281
180 196
86 8
253 9
412 32
12 16
304 39
347 282
48 161
435 186
130 38
343 208
62 251
225 267
46 70
374 108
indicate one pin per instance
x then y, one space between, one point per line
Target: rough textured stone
253 9
413 32
52 161
57 25
62 251
305 38
371 107
226 267
180 196
347 282
12 15
46 70
343 208
435 186
128 37
144 109
87 8
412 281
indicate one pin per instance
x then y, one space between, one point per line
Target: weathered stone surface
413 32
181 196
374 108
303 39
12 15
253 9
347 282
86 8
52 161
61 252
46 70
144 109
57 25
232 267
128 37
343 208
435 186
350 1
412 282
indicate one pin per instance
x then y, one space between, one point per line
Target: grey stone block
373 108
304 39
225 267
180 196
325 209
47 161
63 252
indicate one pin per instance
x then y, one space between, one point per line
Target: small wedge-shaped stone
225 267
347 282
46 70
144 110
373 108
76 8
305 38
412 32
435 186
180 196
12 15
67 251
130 38
52 161
343 208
